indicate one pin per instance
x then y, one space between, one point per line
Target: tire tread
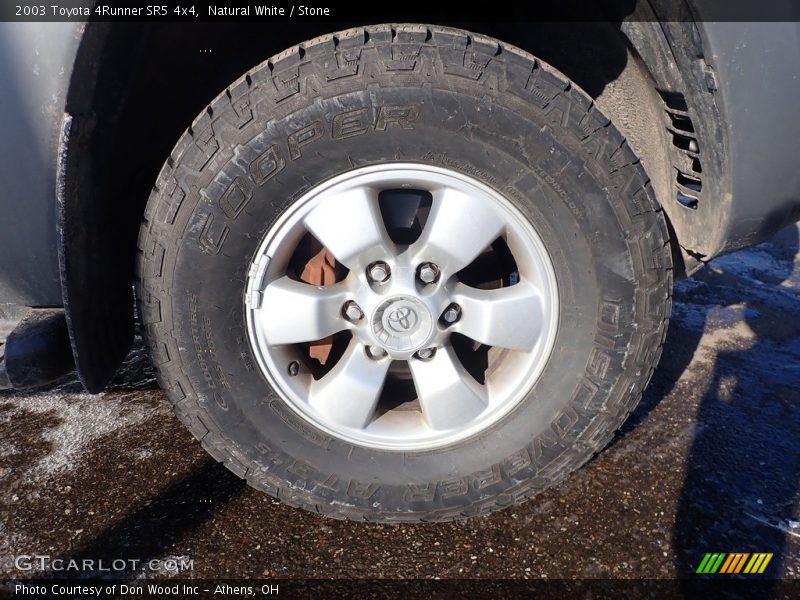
403 47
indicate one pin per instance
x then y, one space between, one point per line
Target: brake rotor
321 269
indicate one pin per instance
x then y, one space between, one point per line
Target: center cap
402 323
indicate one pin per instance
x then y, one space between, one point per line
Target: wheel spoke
458 229
292 311
350 225
348 394
448 395
509 317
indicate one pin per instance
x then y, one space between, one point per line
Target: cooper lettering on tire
424 271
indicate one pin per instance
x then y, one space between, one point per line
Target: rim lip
293 216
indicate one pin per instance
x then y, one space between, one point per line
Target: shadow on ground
742 474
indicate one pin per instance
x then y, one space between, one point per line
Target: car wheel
403 273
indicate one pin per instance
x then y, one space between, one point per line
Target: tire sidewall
543 167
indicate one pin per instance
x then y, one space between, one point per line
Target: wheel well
135 88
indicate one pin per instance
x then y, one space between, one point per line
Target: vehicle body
89 110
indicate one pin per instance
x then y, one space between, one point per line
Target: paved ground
710 462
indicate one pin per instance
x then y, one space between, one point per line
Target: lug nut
452 313
426 353
428 273
379 272
352 311
375 352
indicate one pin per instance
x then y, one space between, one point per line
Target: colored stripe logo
730 563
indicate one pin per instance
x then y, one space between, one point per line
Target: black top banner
406 11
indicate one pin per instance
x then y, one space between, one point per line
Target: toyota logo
403 319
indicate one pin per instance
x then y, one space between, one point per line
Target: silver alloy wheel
403 314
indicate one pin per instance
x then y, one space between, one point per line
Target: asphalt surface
709 462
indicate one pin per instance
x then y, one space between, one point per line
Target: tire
443 99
